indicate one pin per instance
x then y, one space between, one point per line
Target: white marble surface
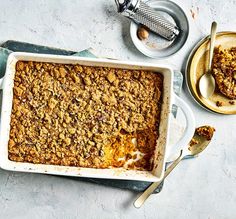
200 188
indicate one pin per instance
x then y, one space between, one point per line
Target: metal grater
144 14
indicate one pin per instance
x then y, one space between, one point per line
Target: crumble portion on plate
224 71
74 115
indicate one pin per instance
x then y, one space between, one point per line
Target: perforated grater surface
144 14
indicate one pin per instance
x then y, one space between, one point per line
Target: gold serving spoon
199 142
207 81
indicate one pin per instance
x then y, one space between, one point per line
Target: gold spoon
198 143
207 81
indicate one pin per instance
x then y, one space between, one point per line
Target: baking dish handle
188 132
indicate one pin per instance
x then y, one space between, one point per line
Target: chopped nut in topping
52 103
72 130
62 136
62 71
67 141
111 76
83 116
20 66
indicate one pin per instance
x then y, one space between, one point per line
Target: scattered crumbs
194 12
219 103
231 102
152 45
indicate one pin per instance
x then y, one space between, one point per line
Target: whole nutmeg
142 33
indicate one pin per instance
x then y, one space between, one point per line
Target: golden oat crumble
224 70
206 132
83 116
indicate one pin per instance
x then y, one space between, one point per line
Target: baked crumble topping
206 132
83 116
224 70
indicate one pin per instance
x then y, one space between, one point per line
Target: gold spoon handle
212 43
142 198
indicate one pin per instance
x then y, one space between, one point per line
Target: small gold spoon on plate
199 142
207 81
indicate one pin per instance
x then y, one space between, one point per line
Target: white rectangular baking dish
161 152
